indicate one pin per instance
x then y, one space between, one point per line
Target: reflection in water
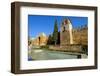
41 54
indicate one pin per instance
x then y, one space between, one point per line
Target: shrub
45 47
85 48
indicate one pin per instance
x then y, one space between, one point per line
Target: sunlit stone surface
41 54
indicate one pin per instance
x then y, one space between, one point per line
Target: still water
41 54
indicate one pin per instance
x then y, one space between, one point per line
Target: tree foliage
55 33
50 40
54 38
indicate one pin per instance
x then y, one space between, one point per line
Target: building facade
40 40
68 35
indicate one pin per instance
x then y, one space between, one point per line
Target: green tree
55 33
50 40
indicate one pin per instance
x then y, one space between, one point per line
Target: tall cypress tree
55 33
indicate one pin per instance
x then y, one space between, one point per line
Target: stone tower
66 32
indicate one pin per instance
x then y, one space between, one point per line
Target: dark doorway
39 40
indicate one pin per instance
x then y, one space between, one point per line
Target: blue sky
43 23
